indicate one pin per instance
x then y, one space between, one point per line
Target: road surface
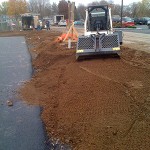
138 41
20 125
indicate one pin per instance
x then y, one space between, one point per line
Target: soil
101 103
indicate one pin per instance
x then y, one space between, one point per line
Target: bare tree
144 9
134 9
48 10
54 9
102 2
63 8
44 8
33 6
127 11
81 11
40 6
76 14
140 9
110 2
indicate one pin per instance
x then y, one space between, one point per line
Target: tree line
45 9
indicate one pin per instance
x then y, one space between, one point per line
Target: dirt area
95 104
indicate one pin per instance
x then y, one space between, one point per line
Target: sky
85 2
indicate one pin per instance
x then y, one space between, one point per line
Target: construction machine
99 37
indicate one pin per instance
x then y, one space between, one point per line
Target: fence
4 26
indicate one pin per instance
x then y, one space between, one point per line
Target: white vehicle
148 24
99 37
57 19
62 23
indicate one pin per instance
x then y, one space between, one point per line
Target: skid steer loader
99 37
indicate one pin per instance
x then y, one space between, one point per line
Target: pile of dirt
93 104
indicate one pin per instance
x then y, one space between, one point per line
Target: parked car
137 21
144 20
141 21
127 22
80 23
13 24
148 24
62 23
116 19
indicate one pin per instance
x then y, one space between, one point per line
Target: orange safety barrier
67 36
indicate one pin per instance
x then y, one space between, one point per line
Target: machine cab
98 19
99 37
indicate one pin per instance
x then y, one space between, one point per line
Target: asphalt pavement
20 125
139 29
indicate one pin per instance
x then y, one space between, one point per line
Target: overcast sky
126 2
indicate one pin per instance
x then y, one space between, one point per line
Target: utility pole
121 12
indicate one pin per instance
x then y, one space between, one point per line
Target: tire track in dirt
140 114
135 58
100 76
143 112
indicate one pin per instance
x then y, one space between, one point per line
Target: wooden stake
72 15
69 14
72 31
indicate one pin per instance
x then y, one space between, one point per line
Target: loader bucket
100 44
